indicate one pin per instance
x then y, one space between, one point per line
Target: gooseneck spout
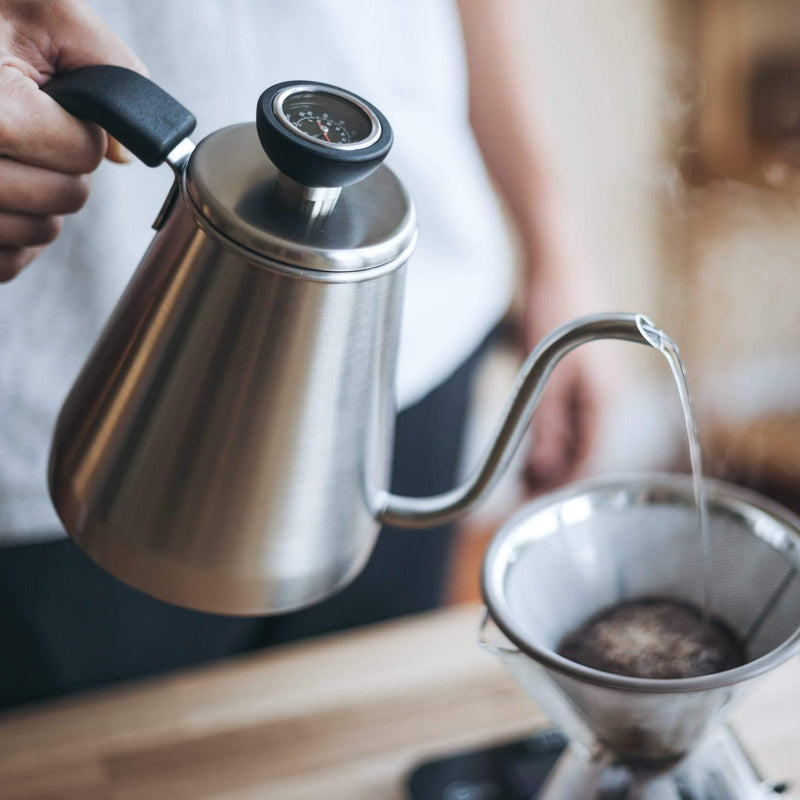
424 512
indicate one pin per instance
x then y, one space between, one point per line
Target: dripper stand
566 556
717 770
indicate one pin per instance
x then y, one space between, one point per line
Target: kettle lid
305 185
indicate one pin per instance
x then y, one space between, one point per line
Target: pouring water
664 344
658 637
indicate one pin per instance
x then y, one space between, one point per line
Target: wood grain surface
346 716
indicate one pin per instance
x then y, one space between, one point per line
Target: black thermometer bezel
310 161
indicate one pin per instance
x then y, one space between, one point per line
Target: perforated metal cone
566 556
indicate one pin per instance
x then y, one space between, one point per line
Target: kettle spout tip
650 333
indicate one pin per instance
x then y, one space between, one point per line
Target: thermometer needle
324 131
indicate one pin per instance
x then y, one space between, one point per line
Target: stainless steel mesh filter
566 556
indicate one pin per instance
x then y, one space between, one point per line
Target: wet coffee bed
653 638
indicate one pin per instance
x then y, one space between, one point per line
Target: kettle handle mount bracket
153 125
320 137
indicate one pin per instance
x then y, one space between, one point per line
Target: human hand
566 421
46 154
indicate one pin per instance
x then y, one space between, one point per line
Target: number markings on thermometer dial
328 118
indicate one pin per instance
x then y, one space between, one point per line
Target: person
449 78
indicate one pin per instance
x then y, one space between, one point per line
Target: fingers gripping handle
134 110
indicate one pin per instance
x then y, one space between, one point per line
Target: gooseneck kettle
227 445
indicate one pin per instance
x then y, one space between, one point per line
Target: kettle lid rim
231 183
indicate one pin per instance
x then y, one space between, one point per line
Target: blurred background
674 126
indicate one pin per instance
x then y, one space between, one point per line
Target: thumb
117 152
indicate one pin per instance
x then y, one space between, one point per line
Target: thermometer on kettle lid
320 137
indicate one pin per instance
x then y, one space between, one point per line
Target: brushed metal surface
218 446
227 445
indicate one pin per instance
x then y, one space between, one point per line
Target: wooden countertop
342 717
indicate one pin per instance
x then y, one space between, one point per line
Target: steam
730 283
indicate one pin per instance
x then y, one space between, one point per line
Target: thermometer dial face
319 135
330 119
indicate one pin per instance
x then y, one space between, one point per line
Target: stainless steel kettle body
227 445
218 446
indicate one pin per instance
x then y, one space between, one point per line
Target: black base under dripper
519 770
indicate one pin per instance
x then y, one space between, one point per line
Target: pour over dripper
564 557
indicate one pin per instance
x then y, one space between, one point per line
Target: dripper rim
743 500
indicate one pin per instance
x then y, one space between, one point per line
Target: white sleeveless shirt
216 57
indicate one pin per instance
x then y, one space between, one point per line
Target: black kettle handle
135 111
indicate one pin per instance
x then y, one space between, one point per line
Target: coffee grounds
653 638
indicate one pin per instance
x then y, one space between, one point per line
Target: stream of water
669 349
